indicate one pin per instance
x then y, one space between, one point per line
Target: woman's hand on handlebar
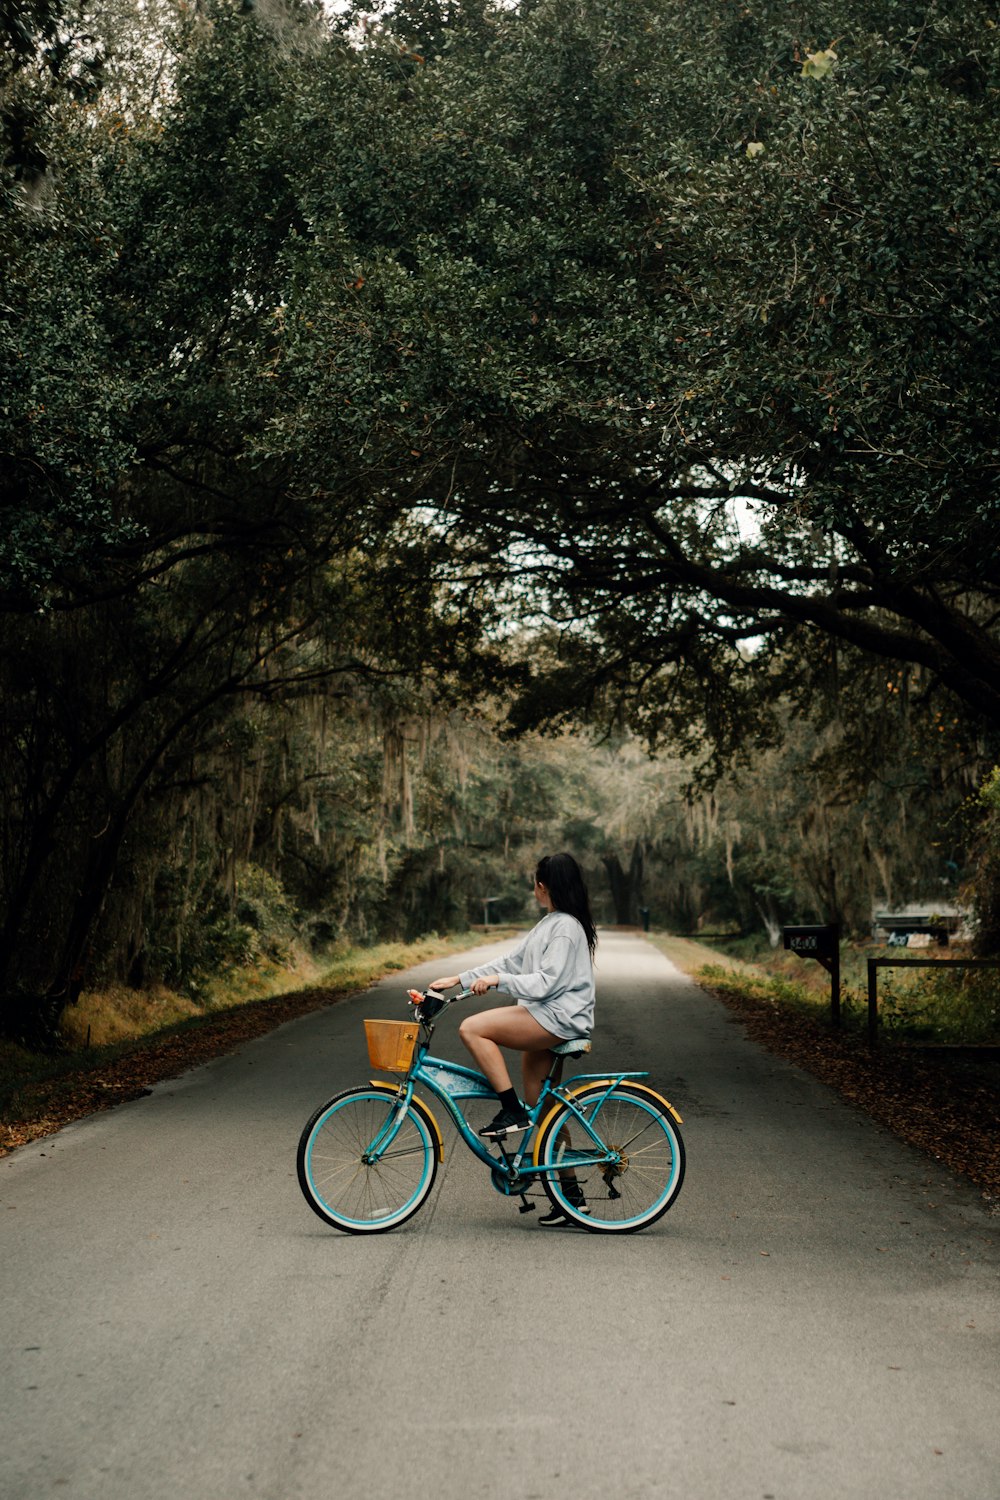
477 987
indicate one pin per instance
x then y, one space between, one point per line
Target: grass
353 967
947 1007
107 1027
103 1018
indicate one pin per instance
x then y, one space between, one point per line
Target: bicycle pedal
526 1208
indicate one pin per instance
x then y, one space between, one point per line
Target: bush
209 932
263 906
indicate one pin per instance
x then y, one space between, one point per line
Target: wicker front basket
391 1044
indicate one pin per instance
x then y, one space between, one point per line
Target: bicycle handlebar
430 1003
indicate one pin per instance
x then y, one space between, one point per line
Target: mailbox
823 944
812 942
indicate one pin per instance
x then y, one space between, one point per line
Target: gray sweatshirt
551 975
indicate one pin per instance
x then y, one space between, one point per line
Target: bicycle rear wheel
632 1178
346 1189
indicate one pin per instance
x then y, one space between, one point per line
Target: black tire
639 1178
362 1197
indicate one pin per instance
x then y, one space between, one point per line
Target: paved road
815 1319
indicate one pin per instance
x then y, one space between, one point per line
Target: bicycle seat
575 1048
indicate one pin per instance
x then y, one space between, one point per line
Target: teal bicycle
367 1159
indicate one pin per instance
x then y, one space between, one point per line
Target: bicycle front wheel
349 1187
630 1175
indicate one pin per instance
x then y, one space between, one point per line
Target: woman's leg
535 1068
506 1026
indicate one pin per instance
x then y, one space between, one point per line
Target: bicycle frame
599 1147
452 1083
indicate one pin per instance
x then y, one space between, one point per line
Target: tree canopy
632 356
684 313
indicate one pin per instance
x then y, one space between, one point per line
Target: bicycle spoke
359 1194
635 1177
650 1124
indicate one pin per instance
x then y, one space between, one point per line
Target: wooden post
823 944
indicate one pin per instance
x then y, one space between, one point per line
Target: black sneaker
557 1217
507 1122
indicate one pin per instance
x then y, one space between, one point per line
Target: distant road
817 1317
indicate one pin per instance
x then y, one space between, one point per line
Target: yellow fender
596 1083
421 1109
644 1089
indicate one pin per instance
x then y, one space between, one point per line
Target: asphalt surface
816 1318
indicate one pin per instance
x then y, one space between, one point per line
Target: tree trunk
626 885
772 925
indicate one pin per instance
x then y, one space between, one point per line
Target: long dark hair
563 879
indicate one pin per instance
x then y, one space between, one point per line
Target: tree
161 567
626 884
683 314
321 358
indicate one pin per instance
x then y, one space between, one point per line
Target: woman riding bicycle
604 1148
551 976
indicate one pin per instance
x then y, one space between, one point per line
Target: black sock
508 1099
